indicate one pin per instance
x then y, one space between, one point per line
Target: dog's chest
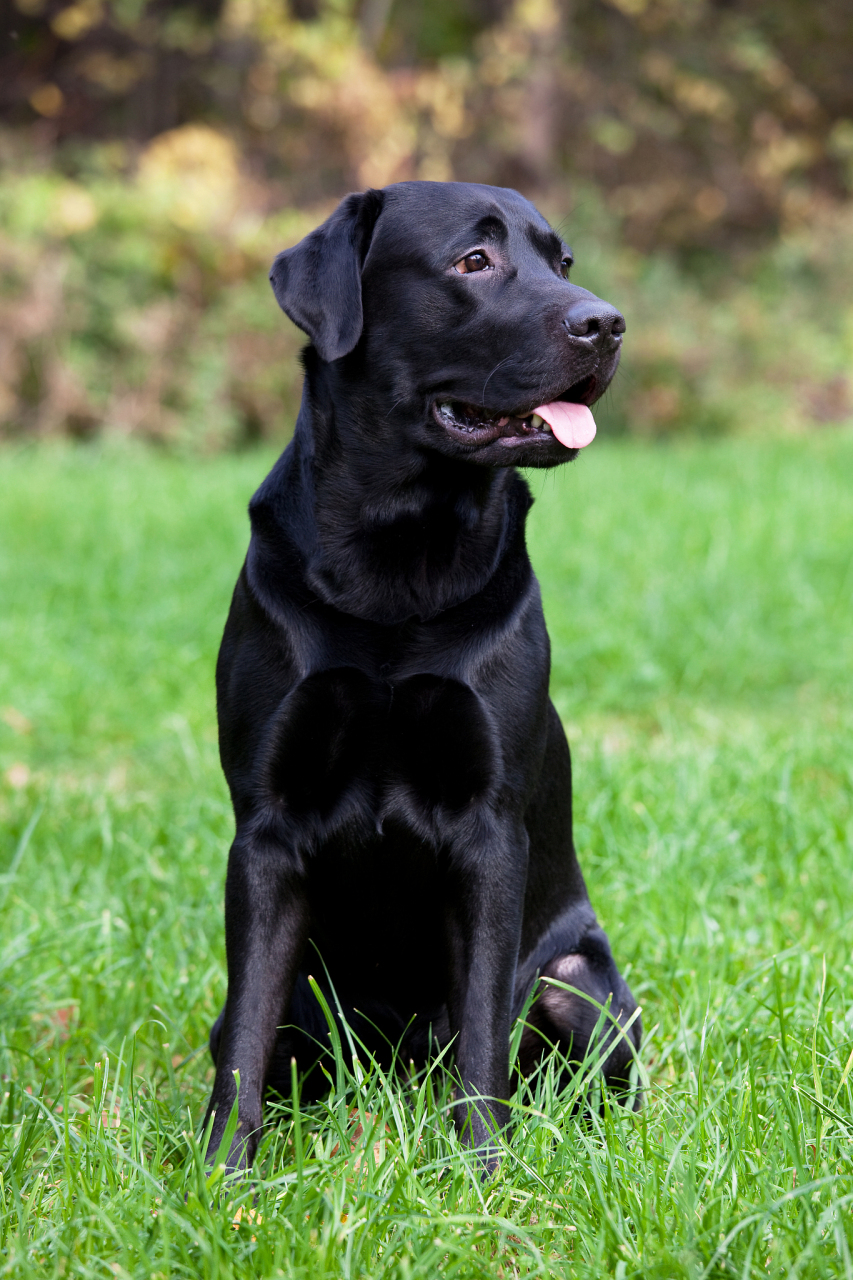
343 742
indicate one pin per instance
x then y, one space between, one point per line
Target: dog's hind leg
581 994
583 1007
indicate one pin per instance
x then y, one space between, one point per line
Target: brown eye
473 262
566 266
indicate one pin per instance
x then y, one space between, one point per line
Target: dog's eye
472 262
566 266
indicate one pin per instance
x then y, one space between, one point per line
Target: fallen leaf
356 1140
63 1017
111 1119
248 1215
17 776
16 720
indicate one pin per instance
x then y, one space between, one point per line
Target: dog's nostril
595 320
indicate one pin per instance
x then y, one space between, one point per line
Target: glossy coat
401 782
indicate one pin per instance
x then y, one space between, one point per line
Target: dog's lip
476 425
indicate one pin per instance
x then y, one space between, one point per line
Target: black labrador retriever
400 779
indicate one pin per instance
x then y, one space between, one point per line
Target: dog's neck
384 531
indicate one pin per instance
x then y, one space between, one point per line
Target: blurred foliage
144 305
698 154
702 120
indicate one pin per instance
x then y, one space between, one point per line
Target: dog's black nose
594 319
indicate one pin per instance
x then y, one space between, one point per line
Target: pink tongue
572 424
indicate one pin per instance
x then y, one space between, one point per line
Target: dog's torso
363 750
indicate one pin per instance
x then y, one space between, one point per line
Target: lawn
699 600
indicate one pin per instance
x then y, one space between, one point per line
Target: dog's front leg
266 927
485 933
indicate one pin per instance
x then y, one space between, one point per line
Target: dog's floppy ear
318 282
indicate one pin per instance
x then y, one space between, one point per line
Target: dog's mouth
473 424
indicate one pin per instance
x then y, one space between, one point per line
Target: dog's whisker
499 365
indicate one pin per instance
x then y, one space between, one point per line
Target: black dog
401 782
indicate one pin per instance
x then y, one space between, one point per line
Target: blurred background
696 154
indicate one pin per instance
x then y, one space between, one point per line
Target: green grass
699 600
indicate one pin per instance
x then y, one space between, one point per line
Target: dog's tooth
446 409
536 422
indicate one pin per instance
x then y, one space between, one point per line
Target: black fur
401 782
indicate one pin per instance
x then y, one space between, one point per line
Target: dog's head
450 308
